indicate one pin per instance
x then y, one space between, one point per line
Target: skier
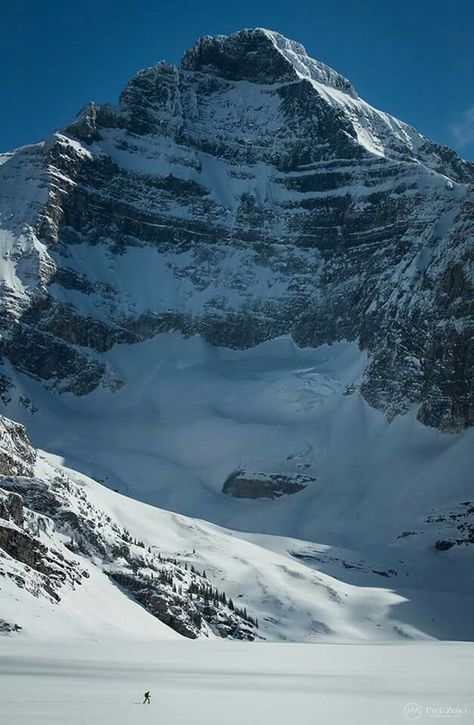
147 698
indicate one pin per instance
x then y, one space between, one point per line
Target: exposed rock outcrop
456 522
17 456
244 484
11 507
34 565
447 527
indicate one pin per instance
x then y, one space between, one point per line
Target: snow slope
290 599
189 414
215 683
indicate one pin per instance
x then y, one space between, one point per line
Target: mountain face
248 194
243 295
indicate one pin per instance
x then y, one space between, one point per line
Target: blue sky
414 58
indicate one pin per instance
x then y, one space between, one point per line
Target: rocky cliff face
247 194
17 456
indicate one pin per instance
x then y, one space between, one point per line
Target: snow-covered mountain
247 194
245 295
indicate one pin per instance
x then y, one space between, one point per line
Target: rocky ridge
50 531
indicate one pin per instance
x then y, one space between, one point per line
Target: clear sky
413 58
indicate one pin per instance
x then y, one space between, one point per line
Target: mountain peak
260 56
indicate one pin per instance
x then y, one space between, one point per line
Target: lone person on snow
147 698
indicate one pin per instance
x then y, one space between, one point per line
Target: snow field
102 683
